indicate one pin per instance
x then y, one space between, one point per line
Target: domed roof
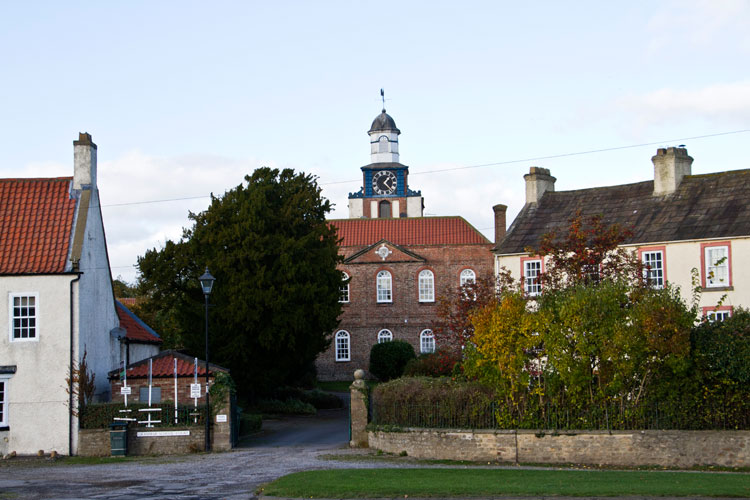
383 122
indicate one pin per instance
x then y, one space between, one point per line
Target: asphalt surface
284 446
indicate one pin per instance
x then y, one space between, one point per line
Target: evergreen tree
275 300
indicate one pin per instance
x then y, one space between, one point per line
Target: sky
185 98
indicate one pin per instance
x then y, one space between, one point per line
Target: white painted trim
37 328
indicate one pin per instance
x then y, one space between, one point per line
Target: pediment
384 251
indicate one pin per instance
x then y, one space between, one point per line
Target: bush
319 399
250 422
436 364
433 402
388 360
289 407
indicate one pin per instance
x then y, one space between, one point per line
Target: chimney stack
84 162
670 166
499 222
538 181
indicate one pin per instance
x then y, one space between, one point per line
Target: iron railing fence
665 416
95 416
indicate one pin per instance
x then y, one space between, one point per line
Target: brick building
397 261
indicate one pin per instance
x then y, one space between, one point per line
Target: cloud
700 24
724 102
146 199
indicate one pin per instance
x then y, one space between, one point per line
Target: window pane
344 290
427 342
384 336
717 266
531 271
384 286
654 268
468 276
342 346
426 286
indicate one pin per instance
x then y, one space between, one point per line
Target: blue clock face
384 182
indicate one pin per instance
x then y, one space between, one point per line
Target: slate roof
163 366
136 330
36 225
704 206
408 231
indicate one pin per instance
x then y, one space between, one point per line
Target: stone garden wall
618 448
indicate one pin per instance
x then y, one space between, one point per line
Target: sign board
221 418
195 390
162 433
126 390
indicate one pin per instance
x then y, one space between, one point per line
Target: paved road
284 446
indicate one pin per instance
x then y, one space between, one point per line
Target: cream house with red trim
59 304
679 222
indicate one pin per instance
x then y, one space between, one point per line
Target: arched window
342 346
426 286
384 287
467 276
382 144
426 342
384 209
384 336
344 289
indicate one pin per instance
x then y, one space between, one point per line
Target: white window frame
653 273
343 346
11 316
384 286
713 316
426 286
467 276
531 284
427 342
385 335
344 290
712 267
4 406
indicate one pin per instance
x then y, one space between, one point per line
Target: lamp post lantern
207 283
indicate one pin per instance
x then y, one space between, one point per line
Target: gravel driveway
285 446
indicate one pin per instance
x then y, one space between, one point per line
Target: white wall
681 258
98 315
38 400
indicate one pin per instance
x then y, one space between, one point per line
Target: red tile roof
409 231
134 327
163 366
36 225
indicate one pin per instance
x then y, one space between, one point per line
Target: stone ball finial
359 374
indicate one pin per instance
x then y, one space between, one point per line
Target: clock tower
385 190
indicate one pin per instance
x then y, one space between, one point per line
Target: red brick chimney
499 222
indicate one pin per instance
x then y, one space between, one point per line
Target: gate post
358 411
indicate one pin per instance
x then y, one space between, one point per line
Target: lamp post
207 283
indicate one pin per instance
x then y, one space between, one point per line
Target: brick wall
619 448
405 316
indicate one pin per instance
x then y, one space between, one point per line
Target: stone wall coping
557 432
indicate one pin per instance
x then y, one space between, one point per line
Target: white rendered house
58 304
679 222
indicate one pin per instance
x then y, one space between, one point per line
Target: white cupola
384 139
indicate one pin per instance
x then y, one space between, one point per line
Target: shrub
433 402
250 422
436 364
319 399
288 407
388 360
100 415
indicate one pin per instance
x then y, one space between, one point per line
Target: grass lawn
364 483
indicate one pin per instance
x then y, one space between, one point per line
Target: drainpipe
72 357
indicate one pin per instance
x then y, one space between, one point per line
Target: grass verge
373 483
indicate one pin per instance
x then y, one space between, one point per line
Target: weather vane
382 96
